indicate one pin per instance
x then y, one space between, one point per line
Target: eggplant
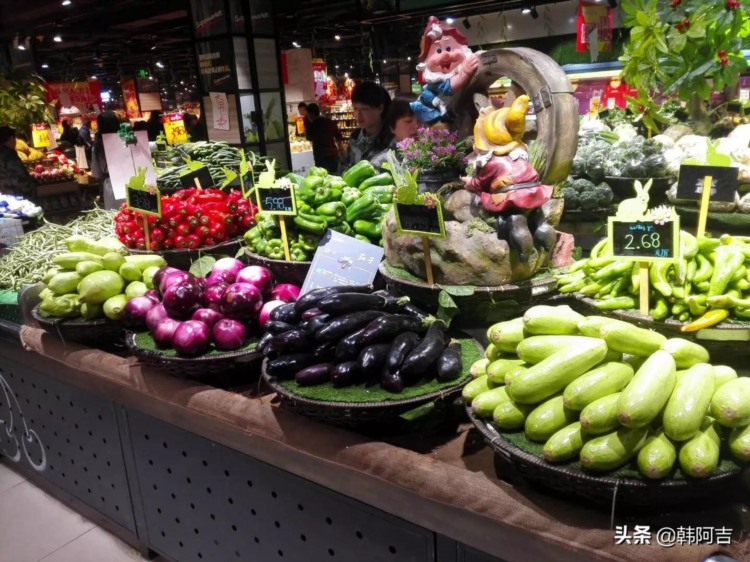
346 324
292 341
413 310
345 374
325 351
372 359
285 313
314 324
263 342
392 382
311 313
310 299
278 327
287 365
348 347
400 348
450 364
314 374
387 327
344 303
426 353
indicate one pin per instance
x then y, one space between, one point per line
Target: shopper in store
401 119
372 140
14 177
84 138
107 122
302 110
154 125
69 134
325 137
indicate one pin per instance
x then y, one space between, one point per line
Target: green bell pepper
323 194
349 195
334 212
297 253
728 260
317 171
252 236
274 249
364 208
308 242
296 179
358 173
362 238
311 223
383 193
336 193
337 182
371 229
343 228
380 179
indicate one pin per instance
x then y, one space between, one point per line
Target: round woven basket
283 271
623 188
97 333
483 308
183 258
226 369
603 490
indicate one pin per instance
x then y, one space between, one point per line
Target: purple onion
191 338
241 301
181 300
154 316
228 334
212 296
135 311
208 316
265 313
285 292
164 332
257 275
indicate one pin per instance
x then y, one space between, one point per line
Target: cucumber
730 404
497 369
479 367
626 338
547 419
648 391
722 375
603 380
557 371
657 457
699 456
506 335
739 443
689 402
474 388
492 353
611 451
537 348
685 353
512 374
601 415
549 320
511 415
565 444
591 326
484 404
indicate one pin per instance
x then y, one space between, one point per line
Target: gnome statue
447 64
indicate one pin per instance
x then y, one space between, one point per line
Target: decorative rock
462 206
562 255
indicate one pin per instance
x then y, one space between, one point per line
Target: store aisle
35 527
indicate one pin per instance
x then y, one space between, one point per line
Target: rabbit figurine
635 208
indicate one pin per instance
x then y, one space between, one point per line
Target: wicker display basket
101 332
283 271
571 481
225 369
623 188
483 308
183 258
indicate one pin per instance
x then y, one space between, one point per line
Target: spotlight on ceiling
296 45
408 58
530 10
93 77
66 2
57 38
337 37
159 64
385 61
467 23
45 65
449 21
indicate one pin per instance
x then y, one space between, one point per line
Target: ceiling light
45 65
408 58
57 38
159 64
337 37
153 48
526 10
94 77
21 47
296 45
530 10
449 21
337 66
66 2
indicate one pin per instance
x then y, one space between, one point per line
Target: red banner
81 94
130 97
592 18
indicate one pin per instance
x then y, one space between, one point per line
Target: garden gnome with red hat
447 64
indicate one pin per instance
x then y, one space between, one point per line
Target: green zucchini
648 391
657 457
547 419
689 402
730 404
608 452
602 380
549 320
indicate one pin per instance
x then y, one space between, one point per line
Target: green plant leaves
202 266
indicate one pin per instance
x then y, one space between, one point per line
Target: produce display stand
60 201
198 473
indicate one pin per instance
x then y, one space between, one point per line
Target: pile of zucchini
606 392
349 335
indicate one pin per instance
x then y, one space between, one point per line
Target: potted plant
23 103
437 156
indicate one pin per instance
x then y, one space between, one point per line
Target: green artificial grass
145 341
9 297
361 394
400 273
717 223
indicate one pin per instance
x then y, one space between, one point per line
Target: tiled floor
36 527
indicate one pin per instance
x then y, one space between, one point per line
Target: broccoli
604 195
570 197
579 165
588 200
595 164
582 184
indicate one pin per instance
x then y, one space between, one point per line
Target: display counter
199 473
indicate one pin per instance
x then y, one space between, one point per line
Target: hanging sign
594 24
215 65
220 110
174 128
40 135
130 97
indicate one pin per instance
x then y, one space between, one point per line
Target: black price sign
644 241
200 177
420 219
724 181
144 200
277 200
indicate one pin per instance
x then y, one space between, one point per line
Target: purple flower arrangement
432 149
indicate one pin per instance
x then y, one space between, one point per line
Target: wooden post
705 197
427 260
284 240
145 231
644 287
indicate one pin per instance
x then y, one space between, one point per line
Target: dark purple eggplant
400 347
325 351
344 303
413 310
450 365
263 342
346 324
311 313
285 313
278 327
389 326
310 299
287 365
289 342
426 353
372 359
314 324
345 374
392 382
348 347
315 374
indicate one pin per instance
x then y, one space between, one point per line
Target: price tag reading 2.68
277 200
644 241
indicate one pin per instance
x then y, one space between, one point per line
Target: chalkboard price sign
202 176
144 200
420 219
644 241
277 200
724 180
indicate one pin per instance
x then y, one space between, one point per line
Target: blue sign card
342 260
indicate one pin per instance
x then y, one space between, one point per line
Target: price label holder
143 199
174 128
421 215
342 260
197 175
280 200
247 182
40 135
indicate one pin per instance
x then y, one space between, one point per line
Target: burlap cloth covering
448 484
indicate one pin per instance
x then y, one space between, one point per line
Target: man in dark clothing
14 178
325 136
